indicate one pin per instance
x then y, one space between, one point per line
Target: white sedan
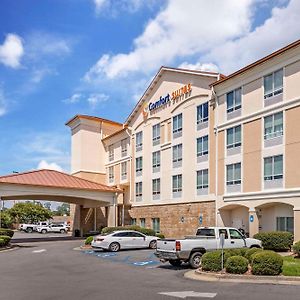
124 239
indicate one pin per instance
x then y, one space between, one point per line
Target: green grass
291 266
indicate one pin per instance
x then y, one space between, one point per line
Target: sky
59 58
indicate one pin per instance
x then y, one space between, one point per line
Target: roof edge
93 118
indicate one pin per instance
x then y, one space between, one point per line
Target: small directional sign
185 294
251 218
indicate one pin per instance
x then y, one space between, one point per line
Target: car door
138 240
123 239
236 239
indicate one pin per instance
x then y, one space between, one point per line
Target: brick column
296 224
253 222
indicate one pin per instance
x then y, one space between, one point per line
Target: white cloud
3 104
75 98
11 51
169 36
39 74
115 7
93 99
209 67
43 164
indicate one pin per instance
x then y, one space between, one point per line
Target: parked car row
45 227
177 251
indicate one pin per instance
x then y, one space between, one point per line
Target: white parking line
39 251
185 294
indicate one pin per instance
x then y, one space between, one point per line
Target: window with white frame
177 183
124 147
156 225
233 175
139 189
234 100
156 159
139 164
273 126
156 186
202 113
177 153
177 123
202 179
124 169
273 84
156 133
273 167
111 152
139 141
111 175
234 137
202 145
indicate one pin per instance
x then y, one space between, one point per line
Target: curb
204 276
11 248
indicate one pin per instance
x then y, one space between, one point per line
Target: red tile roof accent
51 178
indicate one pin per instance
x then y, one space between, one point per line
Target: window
124 169
156 133
234 234
206 232
202 146
234 137
139 141
273 84
133 222
139 164
156 186
223 231
143 222
124 147
156 225
273 126
202 113
177 183
285 224
273 167
125 234
111 176
233 174
177 123
202 179
156 159
234 100
177 153
138 189
110 153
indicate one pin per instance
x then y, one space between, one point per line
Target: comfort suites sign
167 99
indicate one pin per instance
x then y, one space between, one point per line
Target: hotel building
200 148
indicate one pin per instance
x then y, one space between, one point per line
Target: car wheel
29 230
62 231
44 231
175 262
114 247
195 260
153 244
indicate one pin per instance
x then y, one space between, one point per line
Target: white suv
59 228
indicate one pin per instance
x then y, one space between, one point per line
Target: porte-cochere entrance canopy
56 186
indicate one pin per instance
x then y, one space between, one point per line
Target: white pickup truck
191 249
58 228
32 227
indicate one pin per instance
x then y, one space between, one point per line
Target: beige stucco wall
292 79
252 144
96 177
221 162
252 97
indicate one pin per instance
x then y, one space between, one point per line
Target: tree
62 210
6 219
29 212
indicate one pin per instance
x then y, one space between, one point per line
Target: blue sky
59 58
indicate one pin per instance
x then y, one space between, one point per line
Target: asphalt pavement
54 270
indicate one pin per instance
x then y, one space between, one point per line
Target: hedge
250 252
89 240
276 240
236 264
296 248
7 232
143 230
4 240
266 263
212 261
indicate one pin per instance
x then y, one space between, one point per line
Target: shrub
143 230
277 240
4 240
296 248
160 235
7 232
234 252
237 264
212 261
89 240
251 252
266 263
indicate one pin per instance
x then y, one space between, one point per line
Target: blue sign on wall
251 218
200 219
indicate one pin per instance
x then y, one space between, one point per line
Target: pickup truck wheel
175 262
44 231
29 230
152 245
114 247
195 260
62 231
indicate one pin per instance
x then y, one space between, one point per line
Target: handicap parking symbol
144 263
